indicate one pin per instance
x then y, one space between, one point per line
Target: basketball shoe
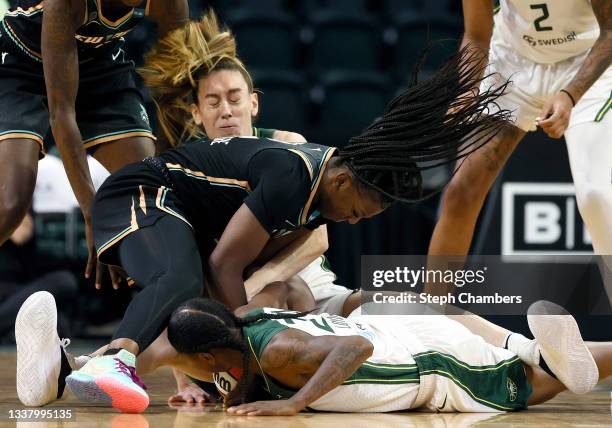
561 346
42 362
110 380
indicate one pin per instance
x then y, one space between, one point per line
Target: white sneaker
562 347
42 364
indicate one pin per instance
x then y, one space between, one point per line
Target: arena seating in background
346 103
282 94
414 34
344 6
343 40
266 38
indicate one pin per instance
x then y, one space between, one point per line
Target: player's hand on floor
266 408
555 115
191 394
115 273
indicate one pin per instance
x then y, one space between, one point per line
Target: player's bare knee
13 208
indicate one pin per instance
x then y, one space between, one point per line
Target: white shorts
469 374
329 297
458 370
532 84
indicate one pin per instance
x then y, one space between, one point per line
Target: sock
526 349
78 362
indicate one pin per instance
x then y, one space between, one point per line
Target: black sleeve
313 224
281 188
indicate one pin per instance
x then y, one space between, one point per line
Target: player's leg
299 296
466 193
116 132
329 297
19 165
527 349
24 121
164 260
545 387
468 374
118 153
590 155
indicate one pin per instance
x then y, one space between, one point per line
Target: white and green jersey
402 371
546 31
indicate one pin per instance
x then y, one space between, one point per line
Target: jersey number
537 23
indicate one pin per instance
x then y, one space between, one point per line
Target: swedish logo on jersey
512 389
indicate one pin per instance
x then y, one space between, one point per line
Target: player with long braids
221 202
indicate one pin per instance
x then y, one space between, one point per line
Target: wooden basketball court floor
566 410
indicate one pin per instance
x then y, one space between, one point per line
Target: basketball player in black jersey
245 198
79 46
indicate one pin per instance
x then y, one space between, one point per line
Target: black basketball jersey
22 25
276 180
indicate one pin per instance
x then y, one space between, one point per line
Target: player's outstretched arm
61 69
556 112
316 365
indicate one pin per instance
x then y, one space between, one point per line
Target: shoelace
64 343
130 371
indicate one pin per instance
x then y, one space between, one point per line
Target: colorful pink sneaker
110 380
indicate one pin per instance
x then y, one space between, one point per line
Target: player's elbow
359 346
60 113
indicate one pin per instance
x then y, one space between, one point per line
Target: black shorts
134 197
108 104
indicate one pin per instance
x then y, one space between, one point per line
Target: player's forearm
68 139
290 260
226 283
596 62
340 363
61 71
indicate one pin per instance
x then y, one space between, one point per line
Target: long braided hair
433 123
200 325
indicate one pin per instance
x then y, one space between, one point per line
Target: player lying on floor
373 363
432 344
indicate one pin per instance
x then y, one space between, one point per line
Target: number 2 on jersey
545 15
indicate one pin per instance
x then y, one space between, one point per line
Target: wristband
570 96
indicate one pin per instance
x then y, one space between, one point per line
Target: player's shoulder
284 348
